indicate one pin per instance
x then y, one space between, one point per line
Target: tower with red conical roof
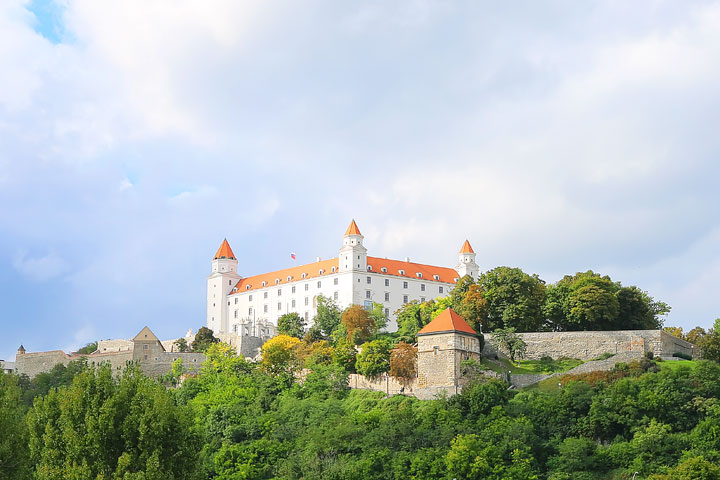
353 255
443 344
220 283
466 262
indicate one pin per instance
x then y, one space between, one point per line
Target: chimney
407 259
317 259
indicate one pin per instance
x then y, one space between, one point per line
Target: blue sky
557 136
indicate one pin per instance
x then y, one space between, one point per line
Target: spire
353 229
225 251
466 248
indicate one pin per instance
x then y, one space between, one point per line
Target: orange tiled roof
312 270
466 248
447 321
428 272
353 229
295 273
224 251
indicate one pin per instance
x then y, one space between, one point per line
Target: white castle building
252 305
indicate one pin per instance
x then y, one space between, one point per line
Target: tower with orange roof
443 344
466 262
220 283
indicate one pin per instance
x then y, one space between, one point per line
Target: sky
557 136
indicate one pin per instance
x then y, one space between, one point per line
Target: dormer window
436 277
289 278
247 287
321 271
333 269
304 275
455 279
402 272
383 269
264 283
234 289
419 274
369 268
277 280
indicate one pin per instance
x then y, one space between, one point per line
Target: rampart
588 345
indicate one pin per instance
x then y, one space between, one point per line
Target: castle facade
252 305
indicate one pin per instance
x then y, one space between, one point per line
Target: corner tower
353 255
221 281
466 262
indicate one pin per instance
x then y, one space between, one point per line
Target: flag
292 255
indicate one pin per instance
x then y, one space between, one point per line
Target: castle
251 305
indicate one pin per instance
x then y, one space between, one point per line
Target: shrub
682 355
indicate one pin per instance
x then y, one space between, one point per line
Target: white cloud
40 269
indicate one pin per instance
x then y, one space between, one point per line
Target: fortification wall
31 364
245 345
117 345
589 345
161 364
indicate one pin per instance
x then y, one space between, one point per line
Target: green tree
638 310
14 461
377 314
279 356
514 299
101 427
374 359
593 308
509 340
88 348
358 323
410 318
710 343
328 316
203 339
182 345
693 468
291 324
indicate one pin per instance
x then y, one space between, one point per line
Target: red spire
225 251
353 229
447 321
466 248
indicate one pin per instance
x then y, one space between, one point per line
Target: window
383 269
405 299
307 286
321 271
250 311
436 350
144 357
293 289
250 298
306 301
306 316
422 299
229 282
441 289
369 280
293 303
387 312
264 294
333 269
146 347
265 309
422 287
279 292
264 283
236 313
436 277
369 268
247 287
405 285
419 274
387 282
319 284
279 306
335 296
335 281
289 278
277 280
304 275
367 293
236 299
387 296
402 272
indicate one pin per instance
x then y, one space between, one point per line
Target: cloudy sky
557 136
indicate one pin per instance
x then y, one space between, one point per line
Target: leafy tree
328 316
182 345
203 339
593 308
508 339
374 359
377 314
279 355
693 468
638 310
291 324
358 323
474 308
315 353
58 376
14 461
403 362
695 335
675 332
345 355
574 455
411 317
88 348
514 299
710 343
100 427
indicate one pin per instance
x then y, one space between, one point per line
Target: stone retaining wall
588 345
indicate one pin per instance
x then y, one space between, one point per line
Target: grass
539 367
676 364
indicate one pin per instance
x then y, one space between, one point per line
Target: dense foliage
243 420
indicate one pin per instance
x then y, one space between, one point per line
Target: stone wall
589 345
440 357
117 345
391 386
245 345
